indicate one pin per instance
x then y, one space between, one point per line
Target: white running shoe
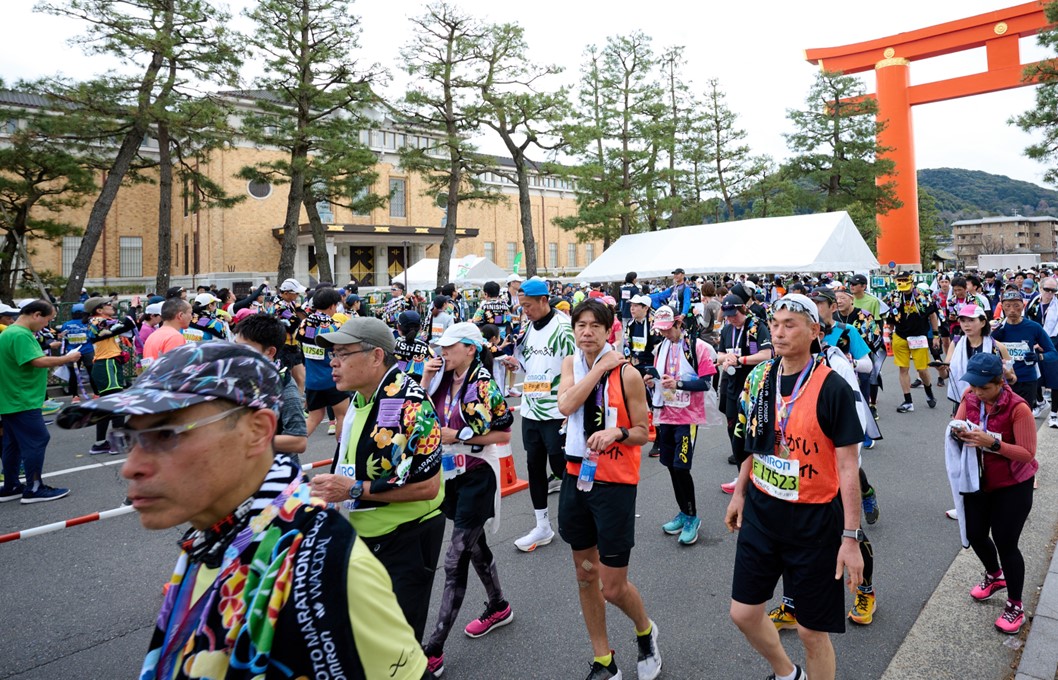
540 535
554 484
1040 409
951 514
1053 421
649 664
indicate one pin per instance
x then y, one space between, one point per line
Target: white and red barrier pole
55 526
105 514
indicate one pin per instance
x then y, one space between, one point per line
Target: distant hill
970 194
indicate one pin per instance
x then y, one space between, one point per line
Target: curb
954 638
1039 658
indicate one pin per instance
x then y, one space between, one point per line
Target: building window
589 253
70 246
131 256
490 251
360 197
10 126
397 198
376 139
512 252
259 188
571 255
552 256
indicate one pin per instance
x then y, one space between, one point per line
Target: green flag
517 263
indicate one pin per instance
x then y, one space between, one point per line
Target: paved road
81 602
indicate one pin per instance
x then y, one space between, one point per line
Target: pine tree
441 58
310 101
836 152
153 37
1043 117
41 178
518 113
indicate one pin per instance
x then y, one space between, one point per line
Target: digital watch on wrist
856 535
356 490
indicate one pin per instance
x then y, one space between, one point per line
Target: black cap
731 302
174 292
678 270
858 279
823 294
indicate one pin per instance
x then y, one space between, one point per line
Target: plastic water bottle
586 480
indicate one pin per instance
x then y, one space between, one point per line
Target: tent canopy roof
799 243
469 270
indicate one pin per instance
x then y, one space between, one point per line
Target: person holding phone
995 515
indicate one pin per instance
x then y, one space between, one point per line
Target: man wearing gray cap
199 438
387 472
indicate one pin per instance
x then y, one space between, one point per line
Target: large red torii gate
891 57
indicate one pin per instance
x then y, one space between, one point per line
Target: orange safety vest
809 473
618 464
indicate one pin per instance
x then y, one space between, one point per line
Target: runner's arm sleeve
248 300
1044 341
384 641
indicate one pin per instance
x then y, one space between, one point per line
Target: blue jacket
663 297
1020 340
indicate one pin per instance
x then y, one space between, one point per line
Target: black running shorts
807 573
603 517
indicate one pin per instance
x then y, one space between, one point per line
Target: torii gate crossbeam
998 32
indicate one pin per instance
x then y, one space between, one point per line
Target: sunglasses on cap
793 306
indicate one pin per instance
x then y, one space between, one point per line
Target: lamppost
406 263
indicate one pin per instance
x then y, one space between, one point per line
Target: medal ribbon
785 409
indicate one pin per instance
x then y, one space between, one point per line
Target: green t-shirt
379 520
24 386
871 304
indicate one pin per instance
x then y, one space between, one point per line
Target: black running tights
683 488
1002 513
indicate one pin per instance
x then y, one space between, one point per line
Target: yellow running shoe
783 617
862 613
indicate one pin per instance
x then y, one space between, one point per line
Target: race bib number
436 331
76 339
639 344
314 352
676 398
537 385
778 477
626 294
1018 350
193 335
918 342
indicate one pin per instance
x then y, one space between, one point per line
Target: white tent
469 270
805 243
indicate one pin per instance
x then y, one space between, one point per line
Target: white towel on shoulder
964 473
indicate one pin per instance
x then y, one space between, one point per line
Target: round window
259 188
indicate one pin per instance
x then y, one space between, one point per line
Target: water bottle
586 480
448 465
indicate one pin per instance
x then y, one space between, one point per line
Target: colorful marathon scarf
757 412
265 614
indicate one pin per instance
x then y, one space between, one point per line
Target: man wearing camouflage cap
199 442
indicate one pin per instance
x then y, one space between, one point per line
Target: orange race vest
810 472
618 464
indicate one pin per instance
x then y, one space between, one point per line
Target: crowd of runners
419 394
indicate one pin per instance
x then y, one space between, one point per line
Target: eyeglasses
160 439
342 356
1050 290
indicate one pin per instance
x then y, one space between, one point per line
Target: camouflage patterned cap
190 374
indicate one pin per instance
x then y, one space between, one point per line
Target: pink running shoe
436 665
495 616
988 587
1011 620
729 488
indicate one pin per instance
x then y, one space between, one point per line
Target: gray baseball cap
360 329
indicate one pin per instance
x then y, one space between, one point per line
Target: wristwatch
856 535
356 490
624 434
679 384
996 443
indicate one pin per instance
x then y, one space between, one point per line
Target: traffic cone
509 482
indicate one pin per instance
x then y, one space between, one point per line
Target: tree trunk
448 242
8 275
319 239
290 221
130 145
165 211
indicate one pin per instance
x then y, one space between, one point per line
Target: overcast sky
755 49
